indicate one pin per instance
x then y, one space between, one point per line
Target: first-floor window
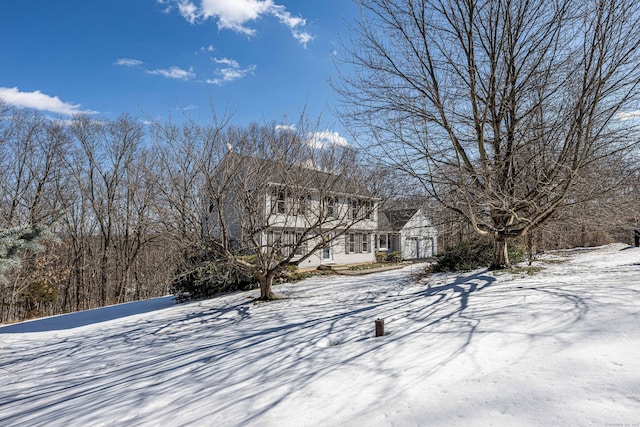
326 252
283 242
351 243
383 242
357 243
301 247
274 241
287 242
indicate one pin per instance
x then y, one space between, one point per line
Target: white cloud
293 23
209 48
286 128
188 10
237 14
628 115
39 101
171 73
225 61
302 36
325 139
168 6
234 14
174 73
232 71
128 62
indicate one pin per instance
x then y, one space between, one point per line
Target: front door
327 251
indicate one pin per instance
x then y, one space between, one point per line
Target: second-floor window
368 209
286 202
354 207
303 204
280 201
360 209
330 206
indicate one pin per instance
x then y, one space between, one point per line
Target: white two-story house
306 215
346 223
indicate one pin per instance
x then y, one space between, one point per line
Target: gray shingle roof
278 173
395 219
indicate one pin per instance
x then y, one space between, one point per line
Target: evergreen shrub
471 254
210 279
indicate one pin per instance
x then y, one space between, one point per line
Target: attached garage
407 231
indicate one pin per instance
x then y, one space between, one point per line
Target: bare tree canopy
498 106
279 198
141 207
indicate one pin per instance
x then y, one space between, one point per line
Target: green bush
395 256
471 254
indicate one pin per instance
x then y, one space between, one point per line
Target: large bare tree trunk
500 255
266 286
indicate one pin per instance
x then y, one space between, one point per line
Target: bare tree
497 107
185 155
260 197
283 200
111 218
602 207
97 179
32 152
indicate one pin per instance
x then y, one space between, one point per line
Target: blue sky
262 59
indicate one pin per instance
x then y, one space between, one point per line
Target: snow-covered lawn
561 347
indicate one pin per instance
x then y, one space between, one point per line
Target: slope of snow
561 347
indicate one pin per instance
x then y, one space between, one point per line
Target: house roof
395 219
279 173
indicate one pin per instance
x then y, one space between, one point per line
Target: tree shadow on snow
241 361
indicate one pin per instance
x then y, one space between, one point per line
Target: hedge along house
407 231
281 213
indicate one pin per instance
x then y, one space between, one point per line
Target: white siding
418 238
338 256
